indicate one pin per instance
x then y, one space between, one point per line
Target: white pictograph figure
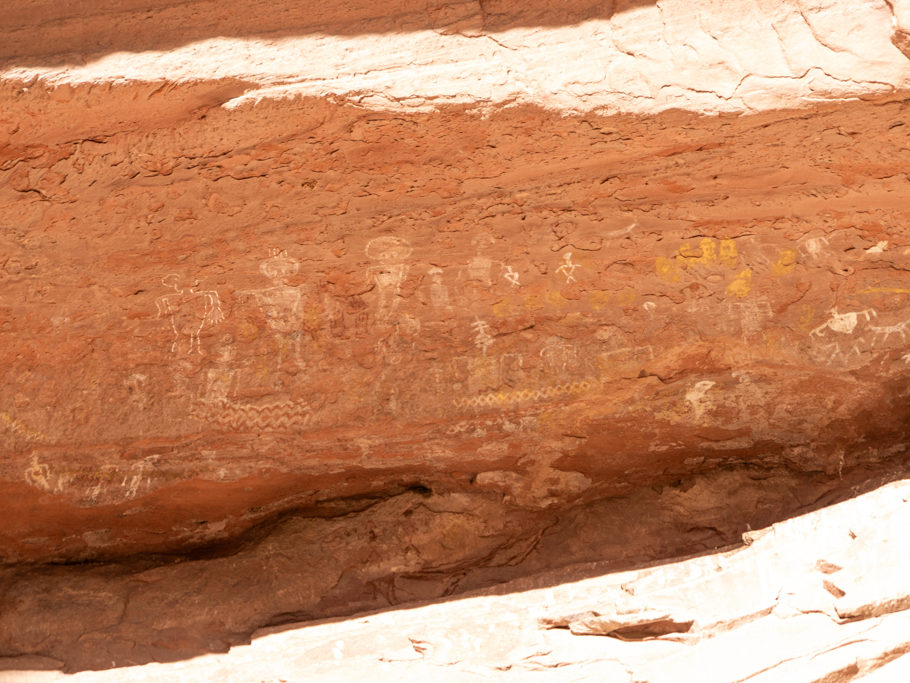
389 252
190 311
880 333
282 304
439 293
480 265
568 268
511 275
812 247
844 323
482 338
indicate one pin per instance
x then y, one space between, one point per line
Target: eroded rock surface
770 611
270 328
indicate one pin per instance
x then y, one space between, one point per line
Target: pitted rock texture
213 320
279 328
252 323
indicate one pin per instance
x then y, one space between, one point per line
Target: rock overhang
235 296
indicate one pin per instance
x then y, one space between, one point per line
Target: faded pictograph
567 268
836 333
752 316
483 340
401 343
219 402
221 378
389 253
480 267
812 247
698 399
190 312
617 362
512 369
94 485
439 292
881 333
474 374
282 305
39 475
558 357
20 429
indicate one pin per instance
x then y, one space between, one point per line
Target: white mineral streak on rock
713 56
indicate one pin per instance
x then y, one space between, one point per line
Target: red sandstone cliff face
329 357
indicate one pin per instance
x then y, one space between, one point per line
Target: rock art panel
329 296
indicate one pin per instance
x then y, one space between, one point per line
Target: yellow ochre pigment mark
772 340
604 365
729 256
312 316
17 427
807 316
247 332
884 290
786 261
599 298
556 298
704 254
667 270
708 253
533 302
503 309
626 297
741 285
498 398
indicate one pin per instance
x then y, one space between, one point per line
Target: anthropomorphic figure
511 275
190 311
568 268
389 253
439 293
282 305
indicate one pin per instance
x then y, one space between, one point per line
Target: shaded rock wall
253 327
820 597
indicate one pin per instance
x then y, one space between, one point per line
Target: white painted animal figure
880 333
813 246
844 323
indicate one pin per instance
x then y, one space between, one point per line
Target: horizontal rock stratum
303 313
619 56
824 595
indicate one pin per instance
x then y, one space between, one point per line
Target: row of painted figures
191 310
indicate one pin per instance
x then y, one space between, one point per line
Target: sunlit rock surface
305 313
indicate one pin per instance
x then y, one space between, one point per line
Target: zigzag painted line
505 397
281 415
